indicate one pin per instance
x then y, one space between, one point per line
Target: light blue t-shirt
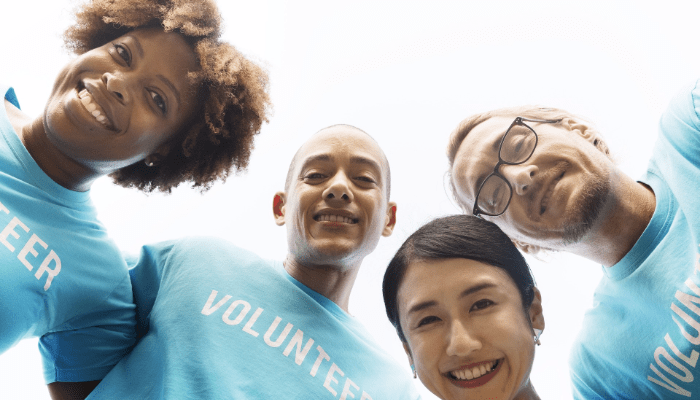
222 323
61 277
641 339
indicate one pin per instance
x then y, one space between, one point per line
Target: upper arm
71 390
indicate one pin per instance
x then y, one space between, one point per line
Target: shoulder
194 251
683 111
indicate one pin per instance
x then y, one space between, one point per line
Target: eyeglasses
517 145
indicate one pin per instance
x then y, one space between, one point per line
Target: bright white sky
406 72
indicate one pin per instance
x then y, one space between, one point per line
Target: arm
71 390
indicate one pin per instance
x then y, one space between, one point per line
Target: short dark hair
293 163
456 236
232 94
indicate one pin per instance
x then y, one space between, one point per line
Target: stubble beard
581 220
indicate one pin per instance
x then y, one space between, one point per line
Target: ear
278 207
587 132
153 160
536 315
158 156
390 220
526 248
408 353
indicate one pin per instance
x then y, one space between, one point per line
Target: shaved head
385 167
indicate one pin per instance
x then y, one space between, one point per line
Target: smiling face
558 193
466 331
336 208
121 102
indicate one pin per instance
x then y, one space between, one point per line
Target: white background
407 73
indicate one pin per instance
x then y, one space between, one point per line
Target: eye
314 176
481 304
123 53
518 147
493 199
158 100
365 179
427 320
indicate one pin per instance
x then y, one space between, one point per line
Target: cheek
427 351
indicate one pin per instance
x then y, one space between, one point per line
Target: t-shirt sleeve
680 124
146 272
88 346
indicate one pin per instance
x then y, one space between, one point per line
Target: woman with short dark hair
465 306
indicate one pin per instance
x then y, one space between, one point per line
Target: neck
331 281
58 166
527 393
627 213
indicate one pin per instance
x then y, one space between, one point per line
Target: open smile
548 193
474 376
335 218
94 109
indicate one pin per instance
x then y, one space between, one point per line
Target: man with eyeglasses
545 177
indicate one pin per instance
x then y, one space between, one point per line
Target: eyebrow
163 79
137 44
465 293
315 158
353 160
494 149
172 87
366 161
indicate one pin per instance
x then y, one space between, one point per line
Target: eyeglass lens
518 145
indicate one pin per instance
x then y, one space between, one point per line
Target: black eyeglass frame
476 211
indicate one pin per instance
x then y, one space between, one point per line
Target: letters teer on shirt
17 235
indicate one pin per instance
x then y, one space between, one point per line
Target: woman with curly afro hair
153 99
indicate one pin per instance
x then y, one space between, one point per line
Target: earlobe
153 160
278 207
158 156
408 352
390 220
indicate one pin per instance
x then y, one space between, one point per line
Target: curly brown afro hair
233 91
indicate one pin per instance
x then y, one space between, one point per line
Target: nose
461 342
338 189
116 85
520 176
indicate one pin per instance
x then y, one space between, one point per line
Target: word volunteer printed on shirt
237 313
670 367
218 322
16 235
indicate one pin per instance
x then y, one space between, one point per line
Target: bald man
221 323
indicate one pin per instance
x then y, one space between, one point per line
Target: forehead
338 145
447 280
478 154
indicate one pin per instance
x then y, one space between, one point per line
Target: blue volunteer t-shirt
62 278
221 323
641 339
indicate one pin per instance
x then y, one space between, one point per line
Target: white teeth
91 107
335 218
473 373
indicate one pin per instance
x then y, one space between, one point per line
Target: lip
546 192
103 100
336 212
480 381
